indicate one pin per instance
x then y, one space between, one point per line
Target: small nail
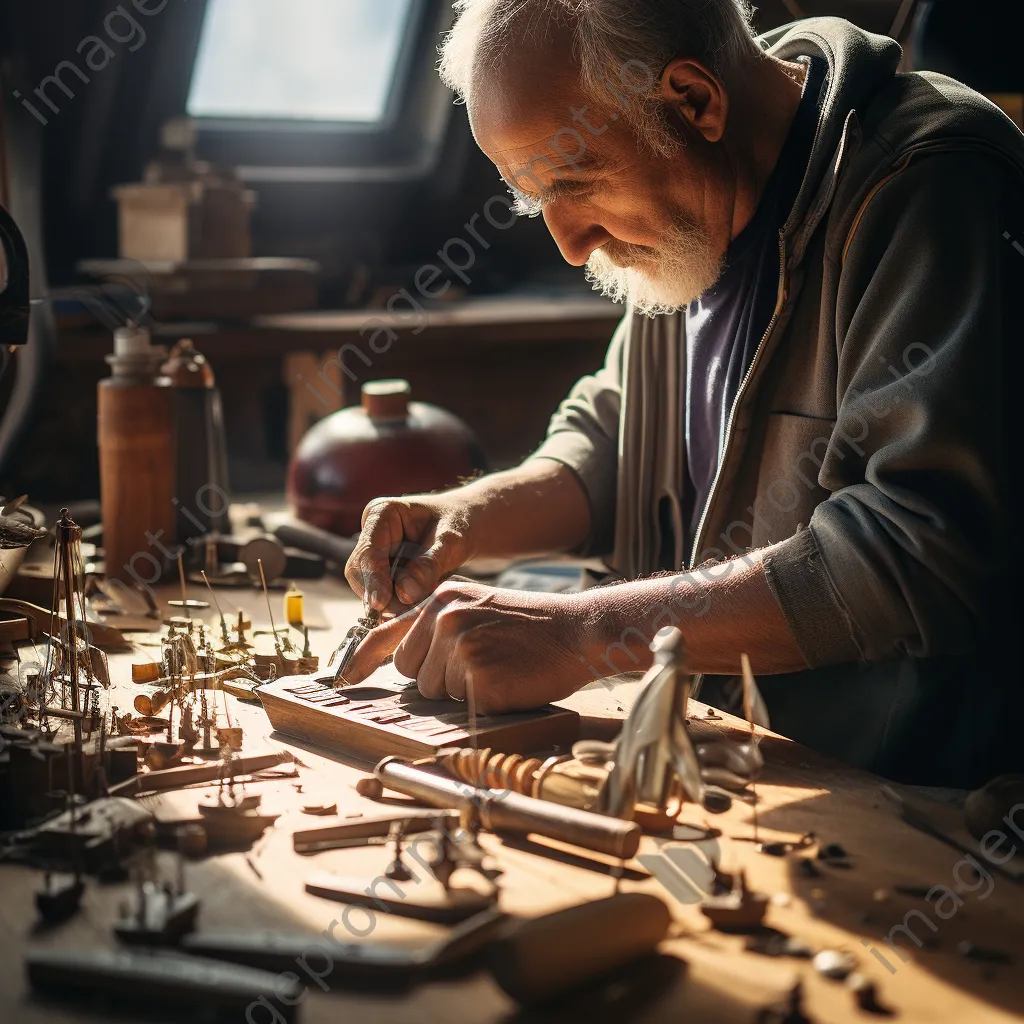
409 593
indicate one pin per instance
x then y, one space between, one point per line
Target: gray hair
614 41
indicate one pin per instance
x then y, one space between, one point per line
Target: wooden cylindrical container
135 435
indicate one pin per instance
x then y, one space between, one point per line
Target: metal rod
66 529
181 578
70 716
266 594
216 604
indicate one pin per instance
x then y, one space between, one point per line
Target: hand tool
501 811
363 831
342 657
354 965
159 978
917 817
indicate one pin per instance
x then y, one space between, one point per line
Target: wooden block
404 724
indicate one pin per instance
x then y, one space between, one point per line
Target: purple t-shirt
725 325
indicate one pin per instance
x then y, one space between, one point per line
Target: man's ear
697 96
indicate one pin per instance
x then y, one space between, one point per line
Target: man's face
649 227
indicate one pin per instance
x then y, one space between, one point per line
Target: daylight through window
322 60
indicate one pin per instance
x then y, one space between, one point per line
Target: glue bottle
293 606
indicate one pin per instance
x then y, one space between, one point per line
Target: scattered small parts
835 964
789 1012
737 909
775 943
865 992
982 954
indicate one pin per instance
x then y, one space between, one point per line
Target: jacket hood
872 117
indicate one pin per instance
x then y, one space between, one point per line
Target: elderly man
794 449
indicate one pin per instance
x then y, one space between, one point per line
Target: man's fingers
422 575
430 676
413 650
454 671
368 571
380 642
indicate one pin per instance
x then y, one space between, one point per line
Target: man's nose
576 236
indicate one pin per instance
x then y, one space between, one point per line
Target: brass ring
544 770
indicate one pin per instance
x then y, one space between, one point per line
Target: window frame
321 150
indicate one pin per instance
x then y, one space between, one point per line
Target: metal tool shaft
353 638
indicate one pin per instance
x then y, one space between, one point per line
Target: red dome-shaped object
387 446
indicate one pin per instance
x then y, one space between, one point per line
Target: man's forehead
532 132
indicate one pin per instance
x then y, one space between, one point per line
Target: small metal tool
342 657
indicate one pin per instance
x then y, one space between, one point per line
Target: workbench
702 975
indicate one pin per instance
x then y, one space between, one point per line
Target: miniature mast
184 589
223 622
69 537
270 611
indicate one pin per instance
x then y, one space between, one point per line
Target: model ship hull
402 723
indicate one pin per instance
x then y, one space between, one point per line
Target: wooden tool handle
313 539
204 987
501 811
549 955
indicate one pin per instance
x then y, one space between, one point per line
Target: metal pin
266 594
216 604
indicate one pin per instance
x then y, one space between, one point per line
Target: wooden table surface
704 975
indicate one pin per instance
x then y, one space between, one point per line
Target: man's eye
573 189
524 205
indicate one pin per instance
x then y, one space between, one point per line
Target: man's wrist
612 636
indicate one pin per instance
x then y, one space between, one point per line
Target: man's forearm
722 610
535 508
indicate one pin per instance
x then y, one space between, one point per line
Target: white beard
681 270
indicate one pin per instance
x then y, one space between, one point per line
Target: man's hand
512 650
537 507
433 529
517 649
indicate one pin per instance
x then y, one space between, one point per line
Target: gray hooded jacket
867 438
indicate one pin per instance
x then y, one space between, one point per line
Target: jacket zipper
779 302
901 165
698 679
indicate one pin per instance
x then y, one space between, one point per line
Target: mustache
626 254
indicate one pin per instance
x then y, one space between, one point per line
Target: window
299 60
